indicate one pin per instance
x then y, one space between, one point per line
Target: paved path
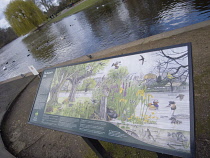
8 93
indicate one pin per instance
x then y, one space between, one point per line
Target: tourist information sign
143 100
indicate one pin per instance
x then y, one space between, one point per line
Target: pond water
102 26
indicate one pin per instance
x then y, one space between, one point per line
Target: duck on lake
62 37
4 68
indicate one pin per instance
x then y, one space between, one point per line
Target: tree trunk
74 84
53 96
103 108
75 80
54 92
172 89
72 93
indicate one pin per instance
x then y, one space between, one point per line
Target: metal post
96 146
160 155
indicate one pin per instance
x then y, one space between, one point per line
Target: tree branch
177 69
173 58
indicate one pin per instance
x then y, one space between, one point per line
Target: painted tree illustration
107 88
173 66
117 75
80 72
57 83
73 74
88 84
159 68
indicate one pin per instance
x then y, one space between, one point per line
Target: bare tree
47 4
173 66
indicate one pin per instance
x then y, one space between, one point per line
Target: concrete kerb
14 88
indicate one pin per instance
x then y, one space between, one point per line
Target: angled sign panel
143 99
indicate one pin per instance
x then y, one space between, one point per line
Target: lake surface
102 26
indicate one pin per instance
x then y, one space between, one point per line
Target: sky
3 22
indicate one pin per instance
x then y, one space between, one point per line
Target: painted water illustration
144 94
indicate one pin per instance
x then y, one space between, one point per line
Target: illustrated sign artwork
142 100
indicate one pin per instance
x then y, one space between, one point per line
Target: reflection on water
96 29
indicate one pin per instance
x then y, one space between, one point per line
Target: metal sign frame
36 116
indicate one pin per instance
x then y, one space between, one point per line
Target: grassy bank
77 8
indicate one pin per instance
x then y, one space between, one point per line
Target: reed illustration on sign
146 95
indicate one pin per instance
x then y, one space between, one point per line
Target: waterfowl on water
28 55
4 68
62 37
89 56
22 75
6 62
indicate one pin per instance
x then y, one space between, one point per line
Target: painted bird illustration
111 114
149 135
170 76
142 59
178 136
116 64
180 96
172 104
175 121
154 105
